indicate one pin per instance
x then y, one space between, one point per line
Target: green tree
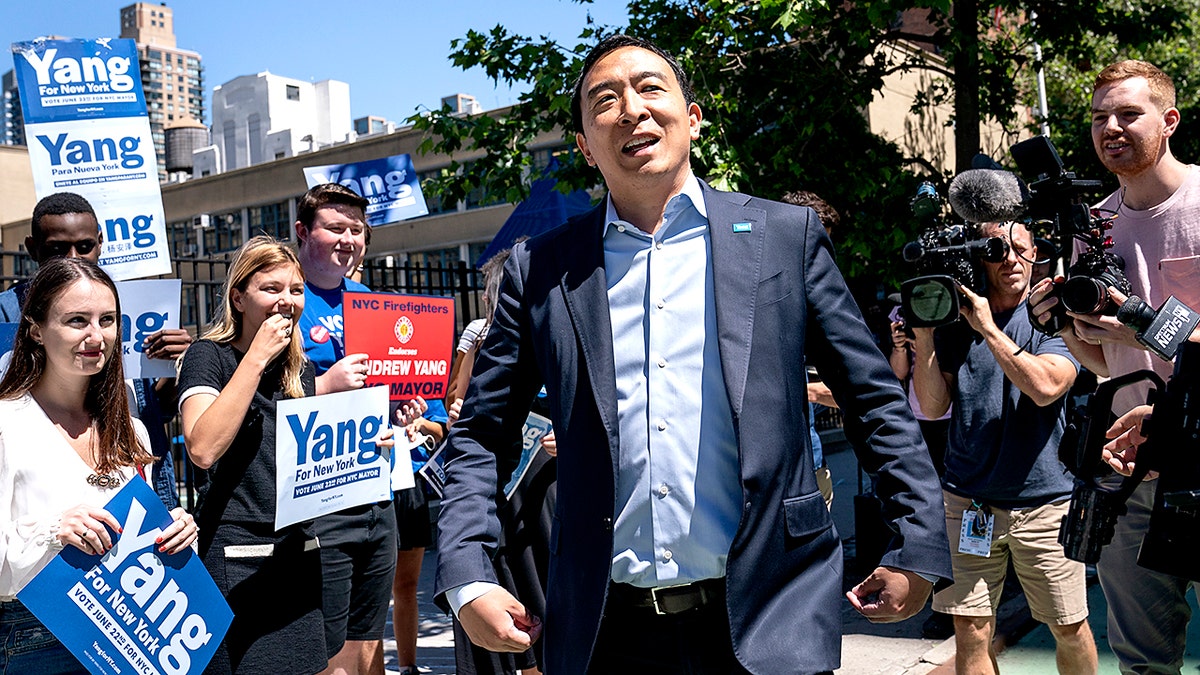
783 85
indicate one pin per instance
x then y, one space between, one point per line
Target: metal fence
203 280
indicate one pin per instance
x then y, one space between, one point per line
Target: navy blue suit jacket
779 297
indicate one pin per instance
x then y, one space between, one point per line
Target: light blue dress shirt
678 491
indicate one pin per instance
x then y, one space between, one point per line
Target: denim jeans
28 647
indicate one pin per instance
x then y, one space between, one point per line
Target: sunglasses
61 249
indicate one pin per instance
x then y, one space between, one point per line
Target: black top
240 486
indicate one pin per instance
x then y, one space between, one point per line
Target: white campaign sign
88 132
147 306
326 457
111 163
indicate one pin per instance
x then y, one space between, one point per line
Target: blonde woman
229 383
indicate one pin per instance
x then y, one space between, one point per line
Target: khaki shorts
1055 587
825 485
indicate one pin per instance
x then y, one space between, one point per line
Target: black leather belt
668 599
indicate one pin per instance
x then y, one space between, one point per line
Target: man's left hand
1095 329
168 344
890 595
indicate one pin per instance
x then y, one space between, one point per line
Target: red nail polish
120 530
158 540
162 549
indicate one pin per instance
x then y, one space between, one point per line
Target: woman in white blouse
67 444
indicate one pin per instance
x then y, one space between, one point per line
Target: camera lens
1136 314
1084 295
929 301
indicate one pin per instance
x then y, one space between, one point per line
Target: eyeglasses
61 249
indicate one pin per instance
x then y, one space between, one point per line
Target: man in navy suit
669 327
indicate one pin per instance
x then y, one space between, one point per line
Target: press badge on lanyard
976 535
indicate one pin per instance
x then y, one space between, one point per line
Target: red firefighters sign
408 340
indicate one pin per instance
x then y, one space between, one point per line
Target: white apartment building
265 117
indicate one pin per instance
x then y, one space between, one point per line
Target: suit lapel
586 292
737 233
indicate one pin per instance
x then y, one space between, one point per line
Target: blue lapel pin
741 227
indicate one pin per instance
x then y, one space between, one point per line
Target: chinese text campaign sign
134 610
408 340
326 457
88 132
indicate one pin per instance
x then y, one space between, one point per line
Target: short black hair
58 204
611 44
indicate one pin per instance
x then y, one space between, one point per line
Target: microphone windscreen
988 195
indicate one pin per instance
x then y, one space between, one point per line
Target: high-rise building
263 117
172 78
13 131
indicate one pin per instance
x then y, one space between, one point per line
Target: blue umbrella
544 209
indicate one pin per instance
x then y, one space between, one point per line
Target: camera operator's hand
1098 329
976 310
922 341
1042 298
1126 433
1043 302
900 341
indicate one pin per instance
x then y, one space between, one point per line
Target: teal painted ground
1034 654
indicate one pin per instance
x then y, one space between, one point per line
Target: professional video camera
943 257
1172 449
1050 196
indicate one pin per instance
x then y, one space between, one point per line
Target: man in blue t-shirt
358 544
1004 488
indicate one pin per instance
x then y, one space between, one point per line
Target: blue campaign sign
134 610
390 185
8 335
536 427
68 80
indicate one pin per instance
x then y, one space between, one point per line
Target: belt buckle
655 591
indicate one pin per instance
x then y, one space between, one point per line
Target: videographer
1005 490
1157 233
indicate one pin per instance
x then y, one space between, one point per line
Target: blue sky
393 53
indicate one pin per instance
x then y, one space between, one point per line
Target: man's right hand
1126 436
922 341
498 622
347 374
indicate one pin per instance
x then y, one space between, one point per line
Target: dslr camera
942 257
1055 199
